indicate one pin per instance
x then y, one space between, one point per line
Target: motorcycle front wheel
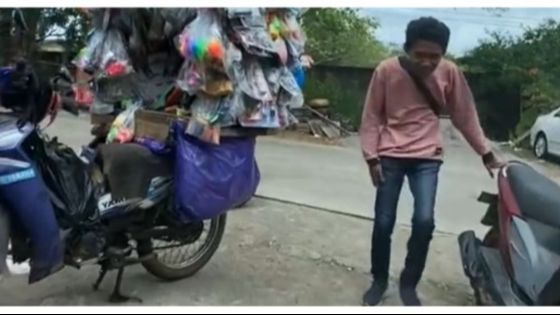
173 262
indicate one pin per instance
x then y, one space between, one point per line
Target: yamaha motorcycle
518 261
53 229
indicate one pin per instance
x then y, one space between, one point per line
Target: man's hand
306 61
492 162
375 172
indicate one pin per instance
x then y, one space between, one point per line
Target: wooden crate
155 125
152 124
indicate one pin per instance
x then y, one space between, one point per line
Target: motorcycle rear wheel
178 262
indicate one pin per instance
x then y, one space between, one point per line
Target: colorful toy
215 49
201 49
276 28
115 69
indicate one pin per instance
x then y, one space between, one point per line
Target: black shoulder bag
421 85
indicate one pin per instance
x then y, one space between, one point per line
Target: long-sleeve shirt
398 121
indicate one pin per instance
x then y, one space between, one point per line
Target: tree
70 25
342 37
530 61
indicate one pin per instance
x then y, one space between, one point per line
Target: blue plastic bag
212 179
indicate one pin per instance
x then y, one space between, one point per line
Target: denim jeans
422 178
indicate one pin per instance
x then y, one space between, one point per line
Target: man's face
426 56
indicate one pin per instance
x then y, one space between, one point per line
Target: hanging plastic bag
201 41
249 30
80 60
106 54
176 19
265 116
194 78
191 77
207 117
210 179
283 24
82 95
251 79
122 129
290 94
115 60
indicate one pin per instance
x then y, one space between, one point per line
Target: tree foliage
530 61
69 24
342 37
65 24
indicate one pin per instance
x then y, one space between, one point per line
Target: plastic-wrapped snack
283 116
295 36
265 116
293 30
191 77
203 131
250 78
195 78
210 110
282 23
106 54
115 60
201 41
272 75
80 61
249 29
232 60
290 95
207 117
235 109
122 129
282 50
90 56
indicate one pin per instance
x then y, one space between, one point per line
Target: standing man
400 137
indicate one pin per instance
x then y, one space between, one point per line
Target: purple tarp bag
212 179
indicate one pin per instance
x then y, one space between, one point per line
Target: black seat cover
537 196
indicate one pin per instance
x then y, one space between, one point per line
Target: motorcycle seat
537 196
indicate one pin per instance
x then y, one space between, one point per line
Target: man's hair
428 29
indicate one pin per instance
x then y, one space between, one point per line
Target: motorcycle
111 232
517 263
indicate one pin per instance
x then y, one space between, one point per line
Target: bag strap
421 85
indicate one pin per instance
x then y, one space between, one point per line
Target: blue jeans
423 179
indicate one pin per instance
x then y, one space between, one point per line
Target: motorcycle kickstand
117 296
102 274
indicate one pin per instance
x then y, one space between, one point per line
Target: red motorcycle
518 261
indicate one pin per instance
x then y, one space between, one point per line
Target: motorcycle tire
166 272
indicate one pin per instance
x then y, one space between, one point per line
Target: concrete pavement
336 178
272 254
282 254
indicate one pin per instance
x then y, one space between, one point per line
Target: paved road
272 254
281 254
336 178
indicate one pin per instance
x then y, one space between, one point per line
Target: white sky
468 25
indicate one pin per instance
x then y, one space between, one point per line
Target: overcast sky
468 26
